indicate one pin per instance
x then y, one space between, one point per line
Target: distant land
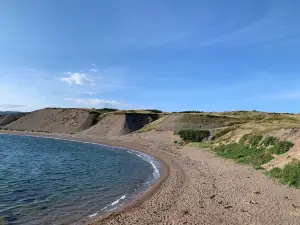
8 112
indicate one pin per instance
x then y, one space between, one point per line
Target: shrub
105 110
194 135
282 147
269 141
254 140
153 110
289 175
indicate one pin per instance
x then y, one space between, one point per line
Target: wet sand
197 187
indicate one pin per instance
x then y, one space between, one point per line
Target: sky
171 55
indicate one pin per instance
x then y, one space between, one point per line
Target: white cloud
95 102
77 78
94 70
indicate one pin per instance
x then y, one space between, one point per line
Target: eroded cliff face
113 125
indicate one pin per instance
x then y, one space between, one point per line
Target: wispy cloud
93 70
77 78
95 102
289 95
88 93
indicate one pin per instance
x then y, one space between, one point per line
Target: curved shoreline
197 187
140 198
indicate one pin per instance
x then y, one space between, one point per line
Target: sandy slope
55 120
117 125
203 189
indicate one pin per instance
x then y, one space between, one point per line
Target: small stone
251 202
212 197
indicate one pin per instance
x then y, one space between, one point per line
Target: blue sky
173 55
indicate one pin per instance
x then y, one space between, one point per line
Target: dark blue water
49 181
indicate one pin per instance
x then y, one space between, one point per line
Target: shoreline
130 203
197 187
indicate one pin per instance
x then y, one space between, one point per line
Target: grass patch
244 154
200 144
255 140
244 139
282 147
269 141
289 175
273 144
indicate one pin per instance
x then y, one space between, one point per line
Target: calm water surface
49 181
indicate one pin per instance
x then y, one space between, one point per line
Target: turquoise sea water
50 181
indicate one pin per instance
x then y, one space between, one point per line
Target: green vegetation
153 110
243 154
273 144
269 141
106 110
254 150
194 135
139 111
200 144
189 112
204 118
289 175
255 140
282 147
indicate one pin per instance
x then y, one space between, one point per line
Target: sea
55 181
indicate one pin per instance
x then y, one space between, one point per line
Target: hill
225 128
7 117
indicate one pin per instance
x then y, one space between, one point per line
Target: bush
105 110
153 110
269 141
254 141
289 175
194 135
282 147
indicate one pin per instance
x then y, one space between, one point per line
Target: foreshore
196 187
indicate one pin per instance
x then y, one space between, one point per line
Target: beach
196 187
